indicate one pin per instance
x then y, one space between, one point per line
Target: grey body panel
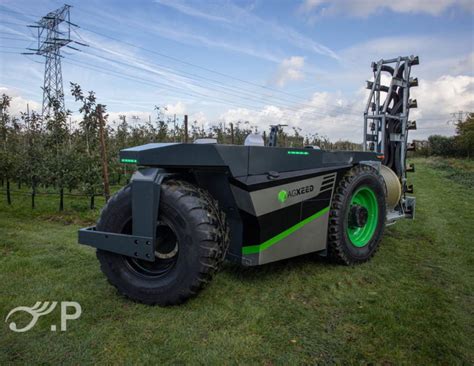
307 238
310 238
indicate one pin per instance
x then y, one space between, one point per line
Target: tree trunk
19 184
103 150
61 199
92 206
9 198
186 128
232 133
33 194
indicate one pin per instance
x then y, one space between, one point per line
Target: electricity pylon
54 32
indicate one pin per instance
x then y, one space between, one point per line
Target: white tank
254 139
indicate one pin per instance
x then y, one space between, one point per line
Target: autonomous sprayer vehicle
188 207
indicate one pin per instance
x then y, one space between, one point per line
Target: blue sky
303 63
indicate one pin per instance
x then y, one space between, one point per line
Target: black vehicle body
276 200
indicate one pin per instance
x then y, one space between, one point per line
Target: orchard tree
94 125
60 159
8 156
33 162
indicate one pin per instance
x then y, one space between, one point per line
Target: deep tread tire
202 233
340 248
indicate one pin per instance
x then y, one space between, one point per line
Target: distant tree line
44 152
459 145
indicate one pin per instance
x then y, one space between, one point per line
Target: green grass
458 170
412 304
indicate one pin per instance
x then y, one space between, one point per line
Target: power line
220 84
12 47
294 96
16 39
25 15
147 82
164 86
214 81
249 97
170 88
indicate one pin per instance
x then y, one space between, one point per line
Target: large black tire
192 240
345 217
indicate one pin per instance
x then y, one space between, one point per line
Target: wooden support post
61 199
232 133
33 194
103 152
186 128
9 198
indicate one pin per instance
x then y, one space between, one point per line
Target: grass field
412 304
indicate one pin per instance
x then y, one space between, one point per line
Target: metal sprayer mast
54 32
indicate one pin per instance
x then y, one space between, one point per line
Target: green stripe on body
267 244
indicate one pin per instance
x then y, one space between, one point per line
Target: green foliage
10 142
52 151
465 136
32 169
442 145
460 145
86 145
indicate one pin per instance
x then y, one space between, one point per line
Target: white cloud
290 69
178 108
341 117
334 115
437 100
199 117
336 121
18 103
447 94
364 8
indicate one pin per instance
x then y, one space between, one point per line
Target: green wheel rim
360 236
